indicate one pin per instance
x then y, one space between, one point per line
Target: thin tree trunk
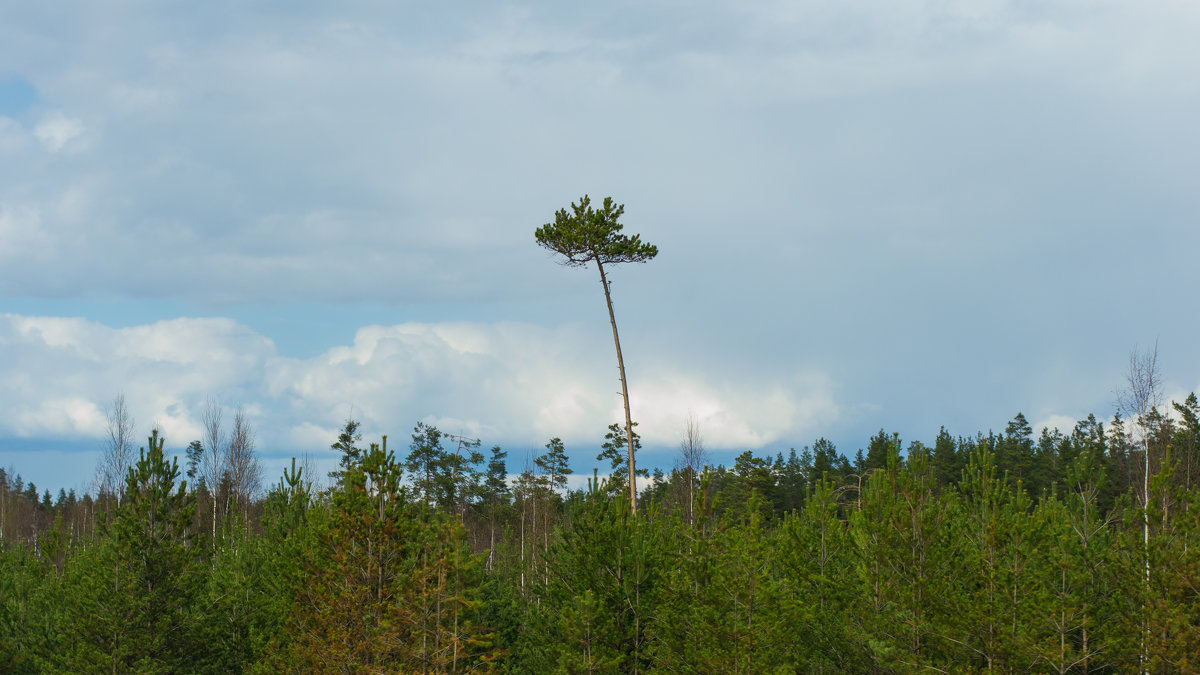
624 391
524 517
1145 547
491 558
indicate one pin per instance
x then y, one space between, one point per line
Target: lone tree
586 235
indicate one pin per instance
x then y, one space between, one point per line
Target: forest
999 552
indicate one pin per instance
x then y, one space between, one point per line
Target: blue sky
895 215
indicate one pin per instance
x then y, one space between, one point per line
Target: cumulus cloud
521 382
502 382
741 414
62 372
59 416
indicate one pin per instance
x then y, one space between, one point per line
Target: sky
886 214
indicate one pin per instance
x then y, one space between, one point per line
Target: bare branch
214 445
242 466
117 455
1143 385
691 460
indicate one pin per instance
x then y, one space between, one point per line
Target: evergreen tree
346 445
718 607
390 587
752 485
878 449
195 457
427 462
814 557
1014 452
1121 467
553 464
613 450
26 622
904 546
497 499
1187 441
130 607
1052 454
603 548
587 236
947 464
789 494
1072 607
826 462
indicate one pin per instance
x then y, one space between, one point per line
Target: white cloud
56 130
1064 423
743 414
63 371
505 383
66 416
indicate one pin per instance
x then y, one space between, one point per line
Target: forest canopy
993 552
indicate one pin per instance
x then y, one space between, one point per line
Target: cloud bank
506 383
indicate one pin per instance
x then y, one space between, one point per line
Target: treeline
1002 552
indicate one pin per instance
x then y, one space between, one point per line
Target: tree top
583 235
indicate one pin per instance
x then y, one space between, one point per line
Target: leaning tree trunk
624 391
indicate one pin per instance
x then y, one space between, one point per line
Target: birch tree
1142 394
241 463
117 454
690 461
213 460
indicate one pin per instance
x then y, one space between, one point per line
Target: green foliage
195 456
388 585
826 462
613 450
719 603
347 446
448 480
240 610
585 625
127 599
585 235
603 562
553 464
24 610
904 558
910 570
816 561
791 488
350 613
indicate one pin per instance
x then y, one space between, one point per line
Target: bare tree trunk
624 390
524 517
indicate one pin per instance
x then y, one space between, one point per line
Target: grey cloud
950 212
